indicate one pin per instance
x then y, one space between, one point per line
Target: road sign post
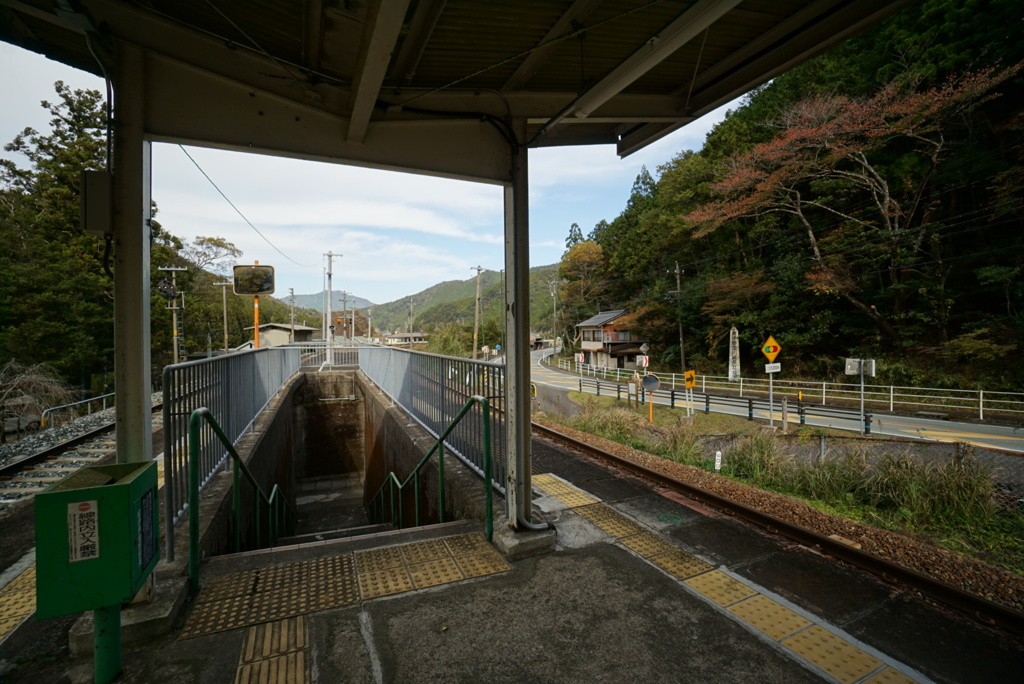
771 349
861 367
650 383
689 380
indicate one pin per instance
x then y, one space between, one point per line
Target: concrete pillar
517 342
131 189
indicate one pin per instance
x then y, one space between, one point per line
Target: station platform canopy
433 86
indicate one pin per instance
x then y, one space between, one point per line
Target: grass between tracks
954 504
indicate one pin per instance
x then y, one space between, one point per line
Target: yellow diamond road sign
771 349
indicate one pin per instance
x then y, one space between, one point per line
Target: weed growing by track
954 503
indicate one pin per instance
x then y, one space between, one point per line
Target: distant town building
607 340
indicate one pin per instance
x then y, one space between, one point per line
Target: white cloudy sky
398 233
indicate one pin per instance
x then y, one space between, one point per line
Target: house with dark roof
607 340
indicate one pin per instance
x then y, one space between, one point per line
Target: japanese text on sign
83 531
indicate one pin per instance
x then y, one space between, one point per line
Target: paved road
979 434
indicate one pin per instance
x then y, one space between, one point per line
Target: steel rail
12 468
980 608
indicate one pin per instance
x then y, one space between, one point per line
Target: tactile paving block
292 668
384 582
574 499
332 582
378 559
17 603
226 586
680 564
421 552
278 604
435 572
26 581
889 676
542 478
217 616
467 543
557 487
597 511
274 639
619 526
769 617
646 544
8 625
279 577
832 653
720 588
484 563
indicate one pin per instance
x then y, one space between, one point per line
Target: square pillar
518 498
131 225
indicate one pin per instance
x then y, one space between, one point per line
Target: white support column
132 365
517 343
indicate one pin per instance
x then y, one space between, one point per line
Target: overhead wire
239 211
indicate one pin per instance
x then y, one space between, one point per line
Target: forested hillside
56 292
867 204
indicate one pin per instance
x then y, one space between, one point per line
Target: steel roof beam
380 33
421 27
659 47
578 11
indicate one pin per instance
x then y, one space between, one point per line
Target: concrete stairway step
334 534
280 555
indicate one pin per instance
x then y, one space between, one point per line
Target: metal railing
393 489
432 388
44 419
892 398
323 355
281 516
236 387
703 402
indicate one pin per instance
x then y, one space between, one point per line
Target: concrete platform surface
640 587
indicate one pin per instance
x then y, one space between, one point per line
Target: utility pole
344 308
224 300
554 313
410 321
170 290
476 310
369 324
330 295
291 296
679 313
353 317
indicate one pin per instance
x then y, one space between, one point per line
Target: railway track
20 480
977 606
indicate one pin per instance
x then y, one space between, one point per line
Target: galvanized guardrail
236 387
433 388
44 420
892 398
702 401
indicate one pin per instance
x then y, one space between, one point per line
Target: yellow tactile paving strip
257 596
818 646
275 653
833 654
17 601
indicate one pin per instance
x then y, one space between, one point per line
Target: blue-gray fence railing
432 389
236 388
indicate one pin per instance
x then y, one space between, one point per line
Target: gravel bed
996 584
44 439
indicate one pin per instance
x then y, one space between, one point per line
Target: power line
239 212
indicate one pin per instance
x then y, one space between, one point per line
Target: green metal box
97 538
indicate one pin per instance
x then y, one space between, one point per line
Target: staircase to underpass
331 508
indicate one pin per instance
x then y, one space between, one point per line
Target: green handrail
392 482
278 515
